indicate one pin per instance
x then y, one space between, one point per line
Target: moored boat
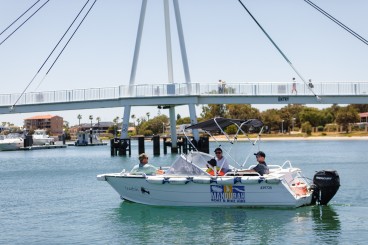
40 137
10 143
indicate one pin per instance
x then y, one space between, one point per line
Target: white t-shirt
223 164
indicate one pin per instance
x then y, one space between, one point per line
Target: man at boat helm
221 161
143 166
261 167
211 168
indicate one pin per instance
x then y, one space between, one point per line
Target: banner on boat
227 193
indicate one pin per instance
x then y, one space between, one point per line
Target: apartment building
53 124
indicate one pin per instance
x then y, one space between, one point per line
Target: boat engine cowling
325 185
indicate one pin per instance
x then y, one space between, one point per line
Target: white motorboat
10 143
85 138
41 138
186 182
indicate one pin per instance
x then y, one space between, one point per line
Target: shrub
307 128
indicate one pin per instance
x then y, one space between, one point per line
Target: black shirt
261 168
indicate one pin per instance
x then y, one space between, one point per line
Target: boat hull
218 193
11 145
43 141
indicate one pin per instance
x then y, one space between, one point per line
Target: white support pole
137 44
125 125
170 72
182 43
124 131
193 117
168 42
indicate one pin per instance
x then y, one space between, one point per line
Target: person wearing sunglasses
143 166
221 160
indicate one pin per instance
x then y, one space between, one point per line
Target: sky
222 42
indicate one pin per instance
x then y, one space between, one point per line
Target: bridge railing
183 89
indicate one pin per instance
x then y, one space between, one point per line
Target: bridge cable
59 43
283 55
71 37
24 22
337 22
12 107
19 17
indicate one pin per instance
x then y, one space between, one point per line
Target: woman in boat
143 166
221 160
211 168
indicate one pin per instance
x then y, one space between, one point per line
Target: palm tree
133 117
91 118
79 118
116 120
148 115
98 119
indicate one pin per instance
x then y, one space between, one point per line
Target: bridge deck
182 93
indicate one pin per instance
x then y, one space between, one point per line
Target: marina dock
42 147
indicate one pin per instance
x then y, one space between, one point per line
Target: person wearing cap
261 167
143 166
221 161
211 168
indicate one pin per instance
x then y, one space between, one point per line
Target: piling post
124 146
164 145
185 145
156 145
112 147
204 144
28 141
141 145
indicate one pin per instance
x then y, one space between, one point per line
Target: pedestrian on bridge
293 87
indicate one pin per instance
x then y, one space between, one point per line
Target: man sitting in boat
211 168
221 160
143 166
261 167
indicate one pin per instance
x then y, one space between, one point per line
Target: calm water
53 197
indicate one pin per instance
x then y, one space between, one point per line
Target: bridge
174 94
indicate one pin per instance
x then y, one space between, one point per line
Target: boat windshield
192 164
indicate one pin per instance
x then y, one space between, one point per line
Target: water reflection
145 224
326 224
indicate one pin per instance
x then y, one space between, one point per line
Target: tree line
288 118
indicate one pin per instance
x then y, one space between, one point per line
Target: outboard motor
326 183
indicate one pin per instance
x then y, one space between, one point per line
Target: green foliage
242 111
185 120
320 128
311 115
307 128
232 129
155 125
147 132
346 115
360 107
213 110
272 119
